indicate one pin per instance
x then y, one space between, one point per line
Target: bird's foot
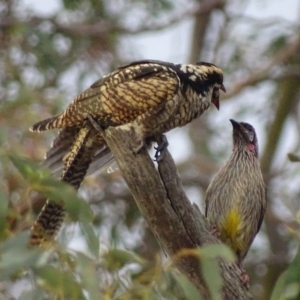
244 276
162 145
140 145
94 123
215 231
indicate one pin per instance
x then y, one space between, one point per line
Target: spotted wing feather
119 98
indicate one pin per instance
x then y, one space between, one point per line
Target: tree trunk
176 223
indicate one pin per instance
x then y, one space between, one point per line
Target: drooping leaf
218 250
59 283
189 290
16 257
91 237
89 277
3 212
41 181
288 284
213 279
116 259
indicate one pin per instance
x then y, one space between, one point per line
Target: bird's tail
47 124
48 223
77 162
72 157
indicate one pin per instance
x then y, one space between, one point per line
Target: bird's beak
216 95
216 102
222 87
238 129
235 124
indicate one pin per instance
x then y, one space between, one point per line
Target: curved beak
216 95
235 124
216 102
238 129
222 87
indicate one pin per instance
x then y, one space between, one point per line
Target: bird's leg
95 124
215 231
162 145
244 276
140 145
141 138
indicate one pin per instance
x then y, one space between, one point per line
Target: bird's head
244 137
214 77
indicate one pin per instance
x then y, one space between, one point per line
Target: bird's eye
251 136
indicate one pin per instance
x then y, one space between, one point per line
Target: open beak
216 102
222 87
216 95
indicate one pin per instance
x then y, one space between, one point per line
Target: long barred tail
53 213
72 156
47 224
77 162
47 124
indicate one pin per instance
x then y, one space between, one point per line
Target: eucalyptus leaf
59 283
189 290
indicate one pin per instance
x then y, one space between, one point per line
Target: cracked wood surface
176 223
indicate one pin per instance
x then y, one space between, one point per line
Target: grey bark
175 222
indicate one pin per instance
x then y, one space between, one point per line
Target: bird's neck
247 149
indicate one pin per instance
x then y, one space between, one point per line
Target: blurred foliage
95 273
48 57
288 285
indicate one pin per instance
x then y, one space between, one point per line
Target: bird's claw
94 123
162 145
215 231
138 148
244 276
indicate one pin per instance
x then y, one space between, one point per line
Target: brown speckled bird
153 96
236 198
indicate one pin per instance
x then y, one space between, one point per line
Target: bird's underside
152 96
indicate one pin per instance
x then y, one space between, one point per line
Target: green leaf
288 284
210 268
16 257
3 212
189 290
88 276
91 238
211 273
116 259
58 282
217 250
293 157
279 287
41 181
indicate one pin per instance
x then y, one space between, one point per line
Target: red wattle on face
251 147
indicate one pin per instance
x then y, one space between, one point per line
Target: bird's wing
122 96
119 97
60 147
207 200
53 159
263 208
147 61
102 159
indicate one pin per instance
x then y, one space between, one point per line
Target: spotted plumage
151 96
